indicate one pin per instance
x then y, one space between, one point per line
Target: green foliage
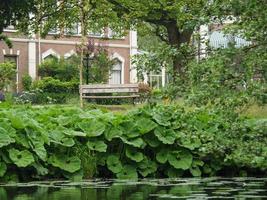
72 143
7 74
27 82
61 69
51 85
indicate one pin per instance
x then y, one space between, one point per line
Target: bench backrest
106 88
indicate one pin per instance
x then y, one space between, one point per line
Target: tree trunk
176 39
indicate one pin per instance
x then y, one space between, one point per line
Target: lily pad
114 164
180 159
127 172
99 146
92 128
166 136
134 154
69 164
21 158
5 139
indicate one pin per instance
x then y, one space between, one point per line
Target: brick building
28 53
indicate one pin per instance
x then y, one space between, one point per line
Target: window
96 33
220 40
115 34
73 30
115 75
13 87
50 57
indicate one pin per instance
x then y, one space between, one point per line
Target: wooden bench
92 91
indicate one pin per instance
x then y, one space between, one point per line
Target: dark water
207 188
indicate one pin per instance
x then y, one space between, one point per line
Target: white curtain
115 75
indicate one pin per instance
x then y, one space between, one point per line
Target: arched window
115 75
50 57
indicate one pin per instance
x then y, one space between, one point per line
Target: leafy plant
154 141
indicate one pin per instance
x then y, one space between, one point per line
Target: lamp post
87 63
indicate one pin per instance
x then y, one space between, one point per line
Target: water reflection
207 188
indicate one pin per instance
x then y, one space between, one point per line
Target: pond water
202 188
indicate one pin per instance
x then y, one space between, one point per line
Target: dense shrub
7 74
160 141
61 69
27 82
51 85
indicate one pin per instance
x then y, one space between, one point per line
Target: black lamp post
87 63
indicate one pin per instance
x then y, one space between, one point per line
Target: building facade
29 52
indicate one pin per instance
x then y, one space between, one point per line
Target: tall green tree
174 21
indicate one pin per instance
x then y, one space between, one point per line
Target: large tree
12 11
174 21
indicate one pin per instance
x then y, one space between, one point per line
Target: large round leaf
36 142
21 158
92 128
114 164
134 154
69 164
180 159
135 142
151 140
162 156
113 132
17 121
191 142
2 169
73 133
147 167
58 137
127 172
145 125
130 129
162 118
5 139
166 136
99 146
